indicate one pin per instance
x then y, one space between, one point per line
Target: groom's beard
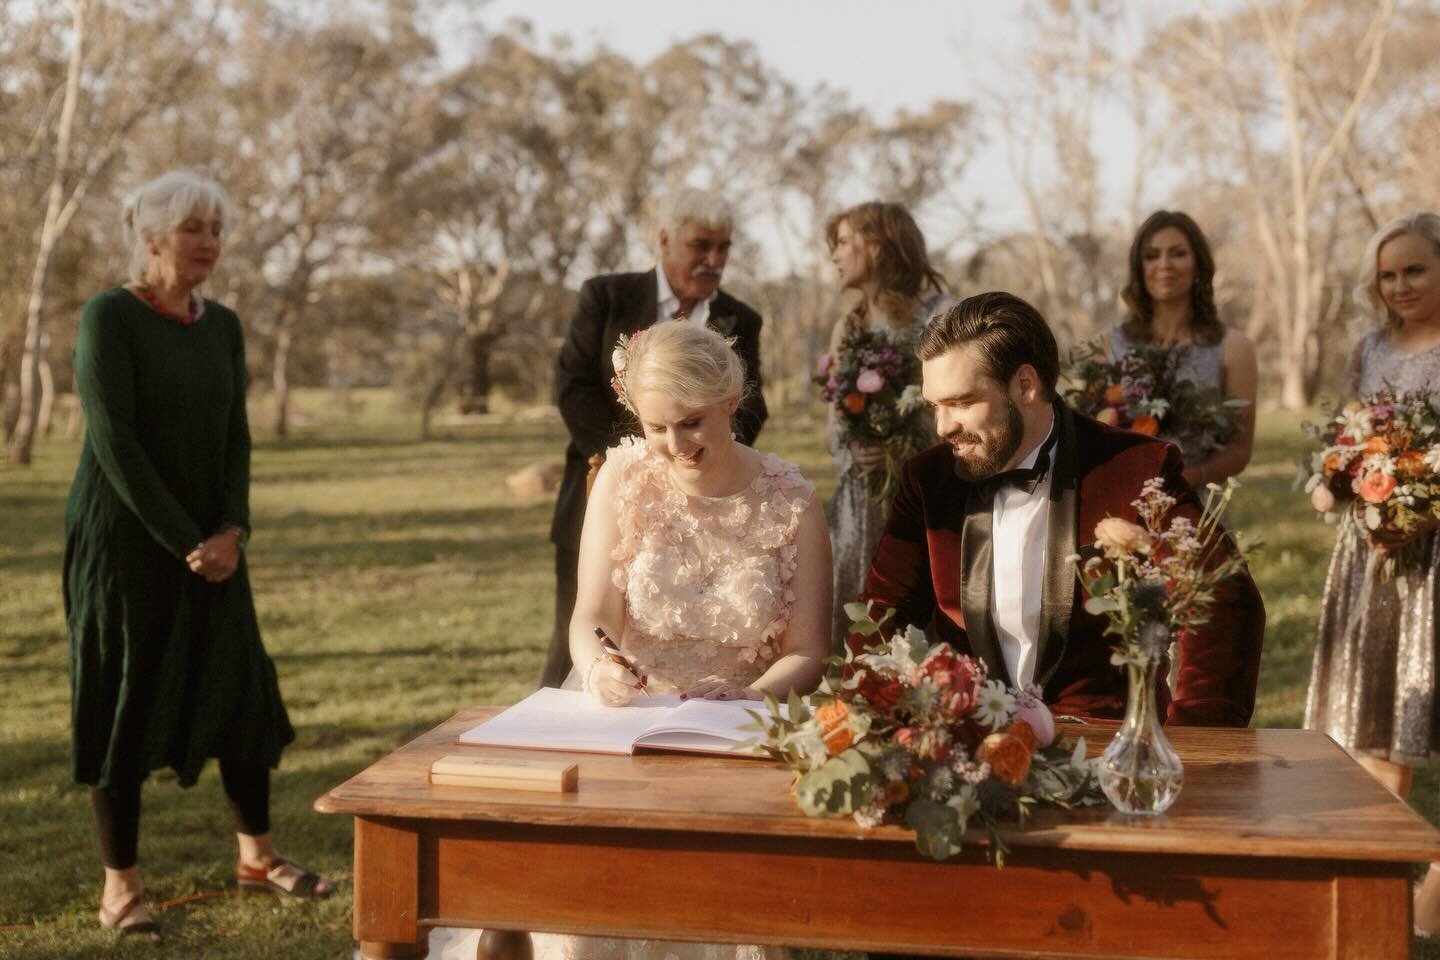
983 461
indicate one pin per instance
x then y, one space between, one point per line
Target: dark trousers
117 810
557 662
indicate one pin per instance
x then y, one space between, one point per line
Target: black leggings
117 810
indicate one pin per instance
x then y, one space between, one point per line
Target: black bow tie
1021 478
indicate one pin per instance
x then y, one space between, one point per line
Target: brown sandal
271 879
141 923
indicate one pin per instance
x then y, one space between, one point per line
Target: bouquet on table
1378 465
1142 391
873 385
1152 581
917 734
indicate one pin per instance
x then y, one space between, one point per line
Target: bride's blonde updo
693 364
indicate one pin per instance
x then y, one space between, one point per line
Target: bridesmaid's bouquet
1142 391
874 389
917 734
1377 463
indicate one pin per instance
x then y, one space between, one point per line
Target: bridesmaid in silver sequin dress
1172 304
880 252
1372 685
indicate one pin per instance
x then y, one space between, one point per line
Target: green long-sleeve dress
166 669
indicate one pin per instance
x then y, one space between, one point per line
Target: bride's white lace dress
707 591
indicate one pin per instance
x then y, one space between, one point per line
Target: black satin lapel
1058 594
721 317
976 566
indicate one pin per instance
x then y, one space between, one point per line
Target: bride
707 560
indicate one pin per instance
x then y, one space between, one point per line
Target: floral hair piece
619 359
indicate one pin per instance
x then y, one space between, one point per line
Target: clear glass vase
1139 771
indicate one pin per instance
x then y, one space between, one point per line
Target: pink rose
869 382
1122 536
1040 719
1375 487
1322 499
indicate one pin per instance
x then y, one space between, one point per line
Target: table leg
504 945
387 890
1372 916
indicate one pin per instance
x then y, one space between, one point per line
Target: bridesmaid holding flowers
1171 297
1372 684
879 252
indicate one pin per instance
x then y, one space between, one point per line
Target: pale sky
884 55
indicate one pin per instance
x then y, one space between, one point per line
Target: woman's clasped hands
216 557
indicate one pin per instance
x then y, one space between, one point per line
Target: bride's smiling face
688 438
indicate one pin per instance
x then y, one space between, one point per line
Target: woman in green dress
167 667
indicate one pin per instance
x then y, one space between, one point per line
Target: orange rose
836 732
1410 464
1109 416
854 402
1332 463
1022 731
1114 394
896 791
1146 425
1377 445
1375 487
1008 757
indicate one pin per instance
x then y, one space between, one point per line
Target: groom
980 532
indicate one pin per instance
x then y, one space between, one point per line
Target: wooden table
1279 846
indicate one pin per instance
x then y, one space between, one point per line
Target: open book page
708 726
551 719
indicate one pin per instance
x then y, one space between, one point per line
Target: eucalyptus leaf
1099 605
938 828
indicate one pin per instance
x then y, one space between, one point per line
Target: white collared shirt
1019 522
667 302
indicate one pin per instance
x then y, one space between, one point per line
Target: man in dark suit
684 287
980 532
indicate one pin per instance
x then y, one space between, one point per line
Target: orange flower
1114 394
1410 464
1025 733
854 402
1332 463
896 791
833 727
1008 757
1146 425
1377 445
1375 487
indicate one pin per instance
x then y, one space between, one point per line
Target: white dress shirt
1019 522
667 302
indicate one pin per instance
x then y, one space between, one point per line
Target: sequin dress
1372 683
707 585
855 521
1200 363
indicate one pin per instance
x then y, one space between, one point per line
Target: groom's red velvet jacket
1098 471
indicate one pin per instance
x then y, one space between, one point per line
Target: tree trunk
279 378
22 439
47 392
476 396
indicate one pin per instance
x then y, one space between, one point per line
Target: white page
551 719
721 719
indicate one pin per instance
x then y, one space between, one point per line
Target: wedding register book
551 719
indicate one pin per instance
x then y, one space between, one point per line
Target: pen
610 650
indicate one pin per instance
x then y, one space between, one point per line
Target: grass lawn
396 582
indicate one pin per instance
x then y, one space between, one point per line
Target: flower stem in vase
1139 770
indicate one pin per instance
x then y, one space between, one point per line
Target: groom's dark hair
1007 332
